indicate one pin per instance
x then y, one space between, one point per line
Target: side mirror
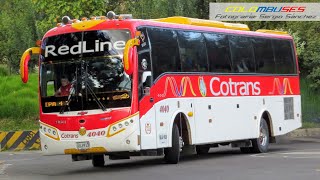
128 55
24 61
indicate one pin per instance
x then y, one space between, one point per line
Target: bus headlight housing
49 131
118 127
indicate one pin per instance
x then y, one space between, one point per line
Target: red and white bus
163 86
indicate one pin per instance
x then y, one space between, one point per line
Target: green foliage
309 58
17 31
50 12
4 70
310 100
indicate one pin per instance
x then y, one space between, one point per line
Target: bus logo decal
82 131
283 88
148 128
176 91
202 87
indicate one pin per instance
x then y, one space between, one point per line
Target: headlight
49 131
118 127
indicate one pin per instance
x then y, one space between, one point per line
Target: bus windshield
84 71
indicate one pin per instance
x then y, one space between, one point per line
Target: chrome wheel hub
263 137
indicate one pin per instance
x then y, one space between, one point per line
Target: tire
261 144
172 154
98 160
202 149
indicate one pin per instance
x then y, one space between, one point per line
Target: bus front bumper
109 139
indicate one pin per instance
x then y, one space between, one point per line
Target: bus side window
165 51
242 54
192 51
264 56
285 63
218 52
144 60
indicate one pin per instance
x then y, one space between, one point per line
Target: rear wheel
172 154
261 144
98 160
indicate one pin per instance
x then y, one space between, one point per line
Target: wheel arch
183 127
267 117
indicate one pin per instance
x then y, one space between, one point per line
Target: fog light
45 147
120 125
128 141
131 120
114 128
126 123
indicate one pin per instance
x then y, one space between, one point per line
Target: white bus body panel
228 119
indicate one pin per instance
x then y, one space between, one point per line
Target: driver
65 88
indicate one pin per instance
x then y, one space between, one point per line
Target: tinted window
50 46
284 57
192 51
218 52
85 44
242 54
105 42
264 56
164 51
144 59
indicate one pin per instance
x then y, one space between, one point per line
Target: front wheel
98 160
172 154
261 144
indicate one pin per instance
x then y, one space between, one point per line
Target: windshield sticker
120 97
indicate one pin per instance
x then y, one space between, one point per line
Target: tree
17 31
50 12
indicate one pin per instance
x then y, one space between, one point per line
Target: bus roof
176 22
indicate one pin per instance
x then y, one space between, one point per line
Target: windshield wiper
101 106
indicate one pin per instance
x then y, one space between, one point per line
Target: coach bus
122 87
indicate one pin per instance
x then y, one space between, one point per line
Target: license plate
83 145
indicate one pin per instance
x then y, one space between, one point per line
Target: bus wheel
202 149
172 154
261 144
98 160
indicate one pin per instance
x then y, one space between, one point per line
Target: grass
310 125
18 103
310 102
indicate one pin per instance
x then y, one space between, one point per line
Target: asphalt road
290 159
